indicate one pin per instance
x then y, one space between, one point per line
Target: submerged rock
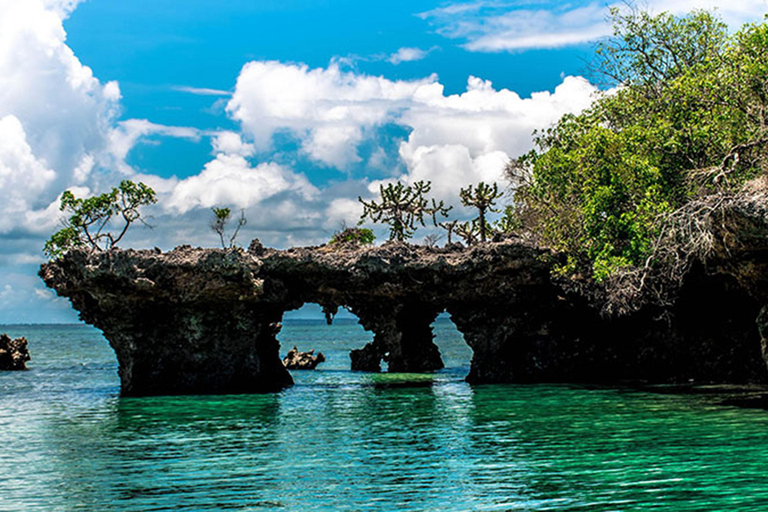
13 353
296 360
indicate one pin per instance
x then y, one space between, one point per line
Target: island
196 320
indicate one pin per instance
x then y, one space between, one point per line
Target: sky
288 110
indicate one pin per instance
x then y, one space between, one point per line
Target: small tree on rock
450 227
403 207
357 236
468 232
221 217
483 197
92 217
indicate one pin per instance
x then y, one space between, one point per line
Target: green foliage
450 227
403 208
468 231
648 50
221 218
690 119
90 218
360 236
509 222
483 197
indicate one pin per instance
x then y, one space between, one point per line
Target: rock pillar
402 337
171 350
505 341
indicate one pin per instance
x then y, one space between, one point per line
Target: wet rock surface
296 360
13 353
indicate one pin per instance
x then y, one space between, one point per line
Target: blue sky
286 109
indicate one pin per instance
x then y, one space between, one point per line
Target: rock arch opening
402 337
309 328
454 350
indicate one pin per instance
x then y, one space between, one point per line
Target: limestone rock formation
206 320
296 360
13 353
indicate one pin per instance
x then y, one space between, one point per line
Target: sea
347 441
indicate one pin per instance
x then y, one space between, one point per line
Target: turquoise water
340 440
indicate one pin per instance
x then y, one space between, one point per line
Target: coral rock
13 353
296 360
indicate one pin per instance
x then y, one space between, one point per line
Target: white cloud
494 27
329 109
58 123
454 140
63 8
465 138
22 175
6 294
229 179
407 54
126 134
202 91
232 143
341 211
55 114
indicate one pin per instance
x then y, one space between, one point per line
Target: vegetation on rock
360 236
468 231
221 218
689 119
92 217
482 197
403 207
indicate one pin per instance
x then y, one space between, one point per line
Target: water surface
341 440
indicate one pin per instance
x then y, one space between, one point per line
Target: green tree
450 227
689 119
221 218
360 236
403 207
92 218
468 231
483 197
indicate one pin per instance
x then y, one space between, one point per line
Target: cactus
403 207
483 198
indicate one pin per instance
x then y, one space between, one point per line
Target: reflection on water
340 440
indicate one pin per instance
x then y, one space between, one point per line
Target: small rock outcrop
13 353
296 360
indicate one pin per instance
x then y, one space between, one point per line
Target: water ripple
338 441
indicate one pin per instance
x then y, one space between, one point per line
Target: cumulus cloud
55 114
63 8
22 174
230 179
124 135
494 27
329 109
407 54
454 140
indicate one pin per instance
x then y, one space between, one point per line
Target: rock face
296 360
13 353
206 320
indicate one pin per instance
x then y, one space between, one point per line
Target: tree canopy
221 218
403 207
91 219
687 118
